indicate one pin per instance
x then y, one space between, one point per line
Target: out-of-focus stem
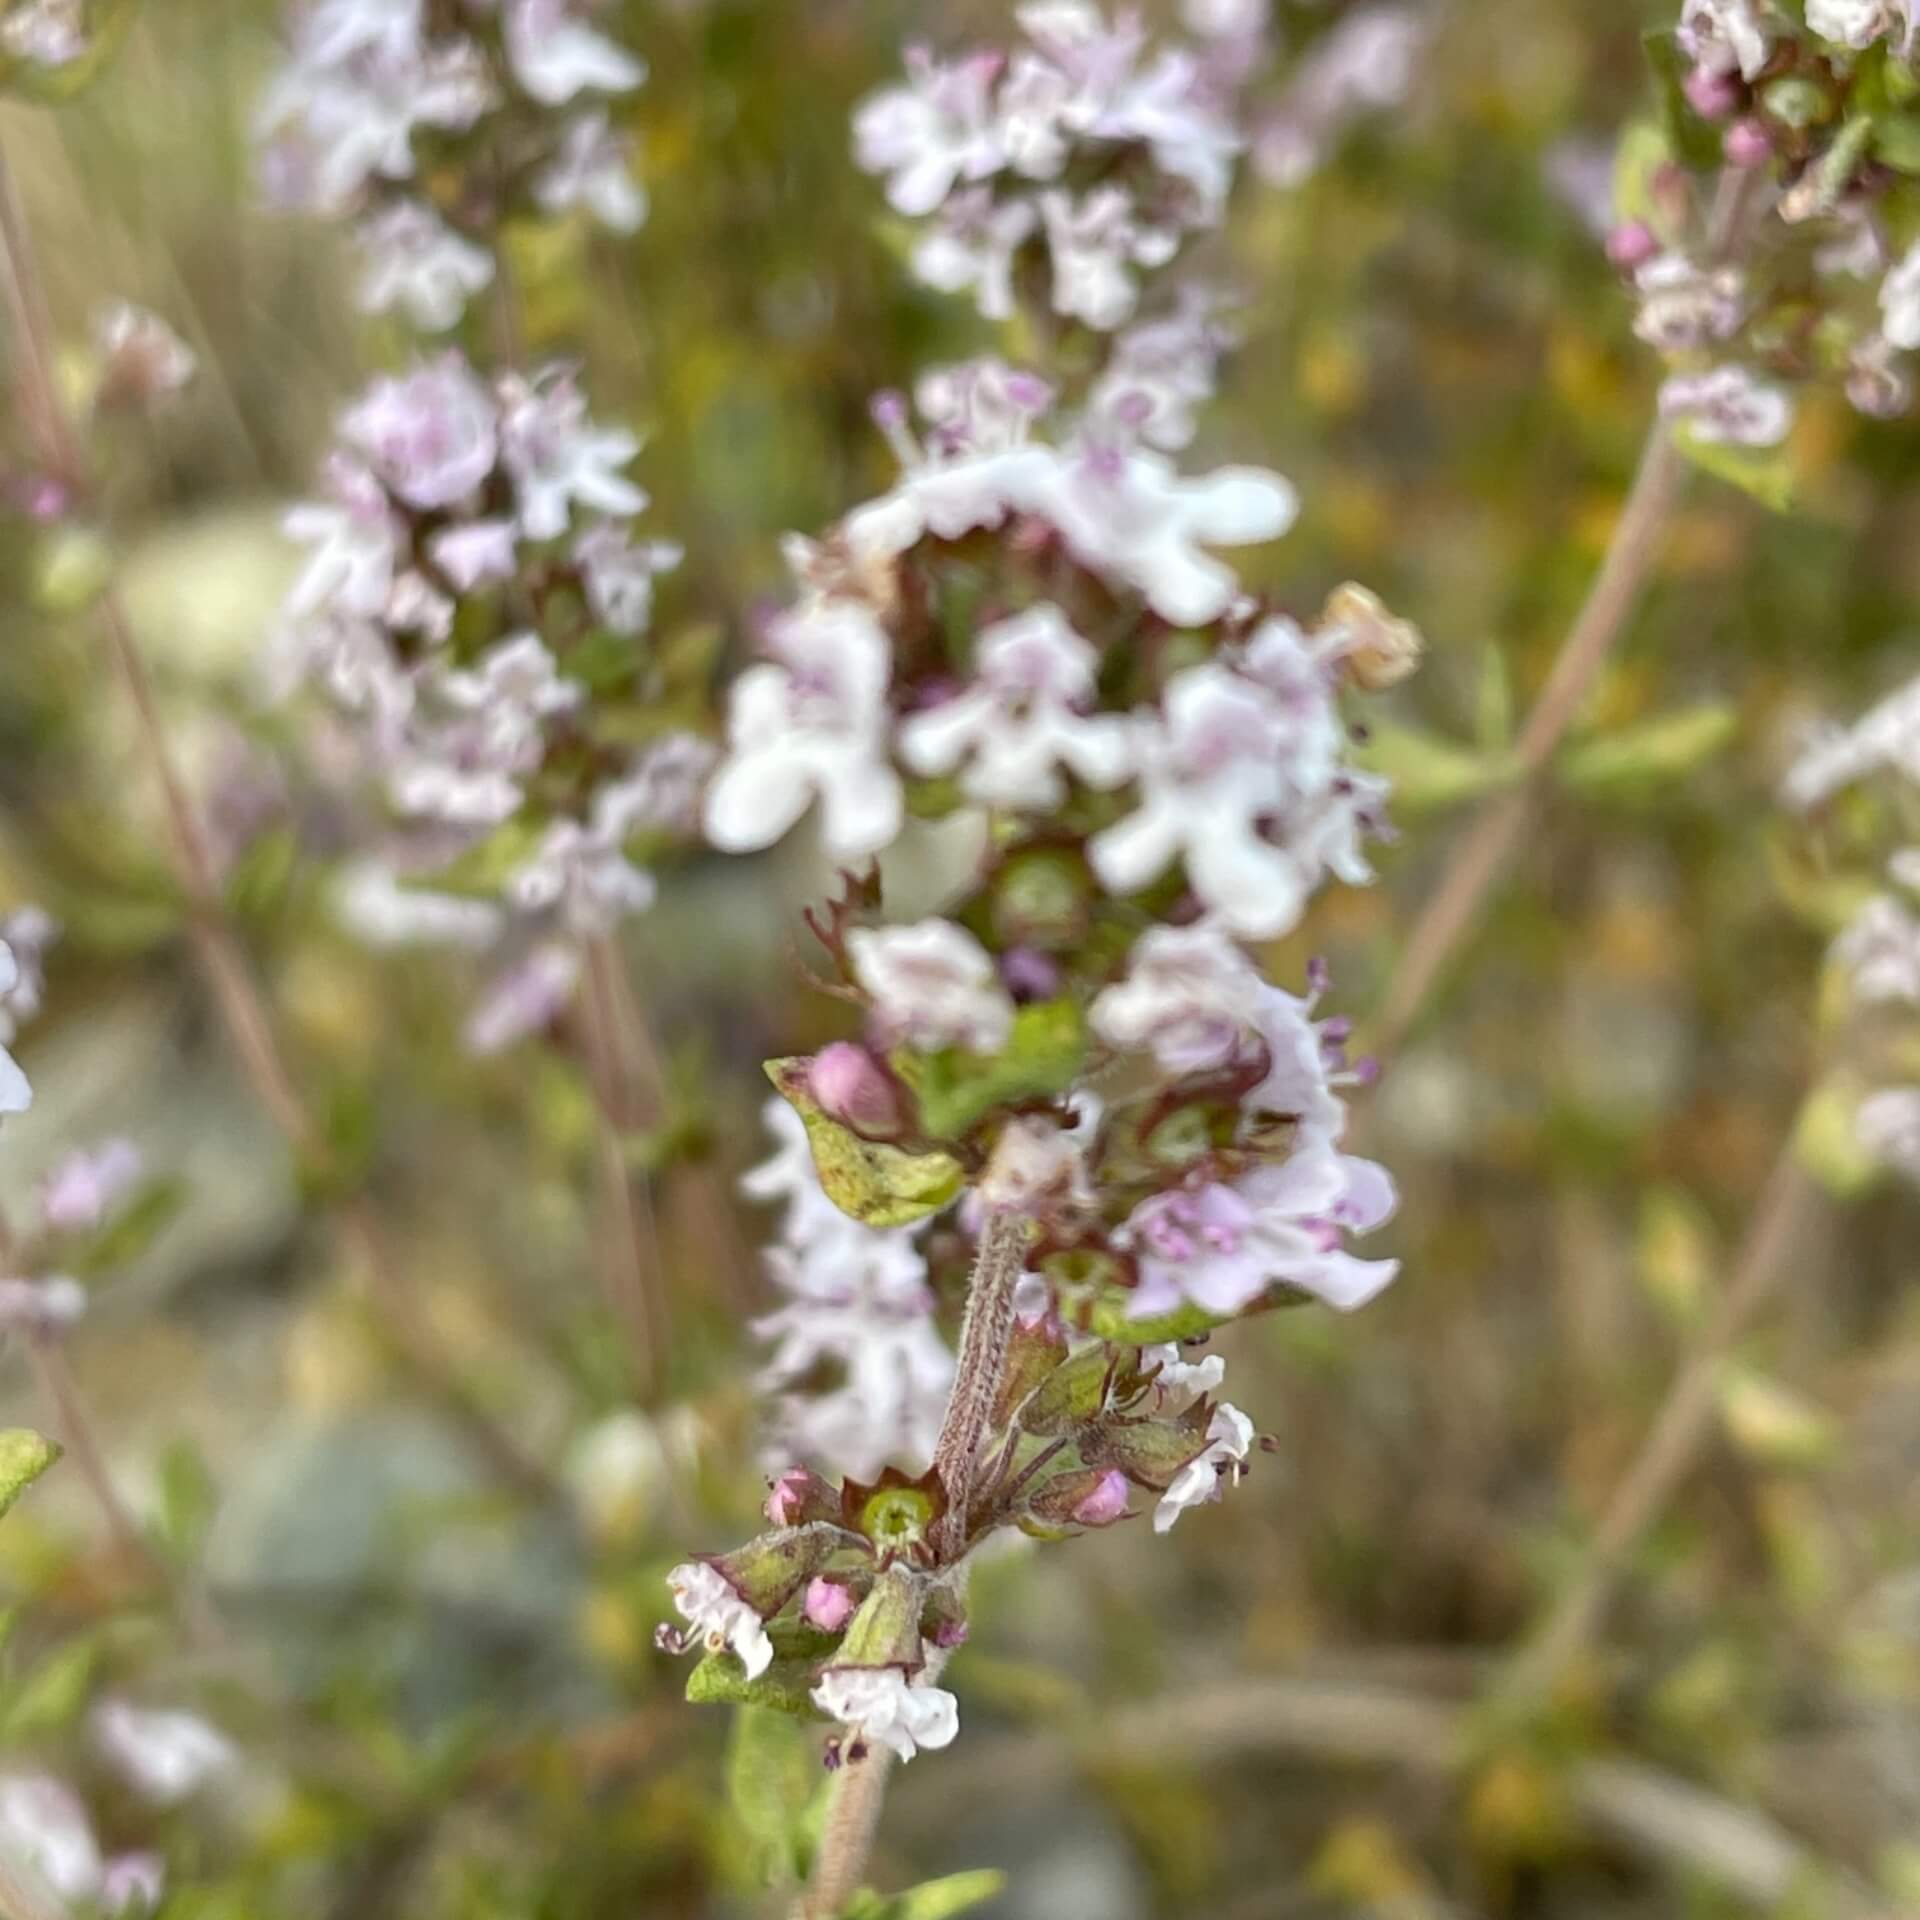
630 1251
1684 1423
1487 852
1488 849
73 1428
236 994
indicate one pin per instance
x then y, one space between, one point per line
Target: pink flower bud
1631 244
799 1496
828 1605
851 1086
1106 1503
1713 96
1030 974
1747 144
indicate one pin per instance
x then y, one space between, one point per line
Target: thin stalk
847 1836
1684 1423
630 1246
236 993
1487 852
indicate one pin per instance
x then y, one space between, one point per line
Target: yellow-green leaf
880 1186
1637 761
24 1457
1429 773
1772 1424
1043 1056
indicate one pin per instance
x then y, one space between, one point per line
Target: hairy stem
846 1840
1684 1423
236 993
984 1335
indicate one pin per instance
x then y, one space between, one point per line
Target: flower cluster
473 577
432 126
1878 951
1804 260
164 1757
1082 155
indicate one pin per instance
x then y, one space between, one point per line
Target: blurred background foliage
450 1703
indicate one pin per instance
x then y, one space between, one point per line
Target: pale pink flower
413 262
888 1707
432 434
592 170
932 985
720 1616
555 55
558 458
1230 1439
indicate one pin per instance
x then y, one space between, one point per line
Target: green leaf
880 1186
772 1772
1826 1140
1771 1424
1645 148
1043 1056
188 1498
1763 472
1896 141
257 886
1636 762
720 1679
132 1230
932 1899
1493 702
24 1457
1071 1395
1694 141
52 1695
1429 773
1109 1320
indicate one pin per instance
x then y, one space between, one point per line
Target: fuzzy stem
984 1335
236 993
846 1840
1487 852
1685 1421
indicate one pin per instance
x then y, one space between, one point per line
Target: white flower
713 1609
1886 737
556 55
1366 62
559 458
1213 773
619 575
1023 718
1190 997
1881 950
811 723
43 1823
933 133
164 1757
1130 515
86 1186
1159 373
41 1309
476 553
415 262
582 871
16 1095
372 901
1725 36
972 245
1900 300
591 171
932 985
1181 1378
49 33
1229 1441
526 999
885 1706
1887 1126
356 542
1096 241
1684 306
1728 406
133 1883
1858 23
432 434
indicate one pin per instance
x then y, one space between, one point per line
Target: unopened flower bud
1106 1502
849 1085
828 1605
799 1496
1631 244
1029 974
1379 649
1713 96
1797 101
1747 143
